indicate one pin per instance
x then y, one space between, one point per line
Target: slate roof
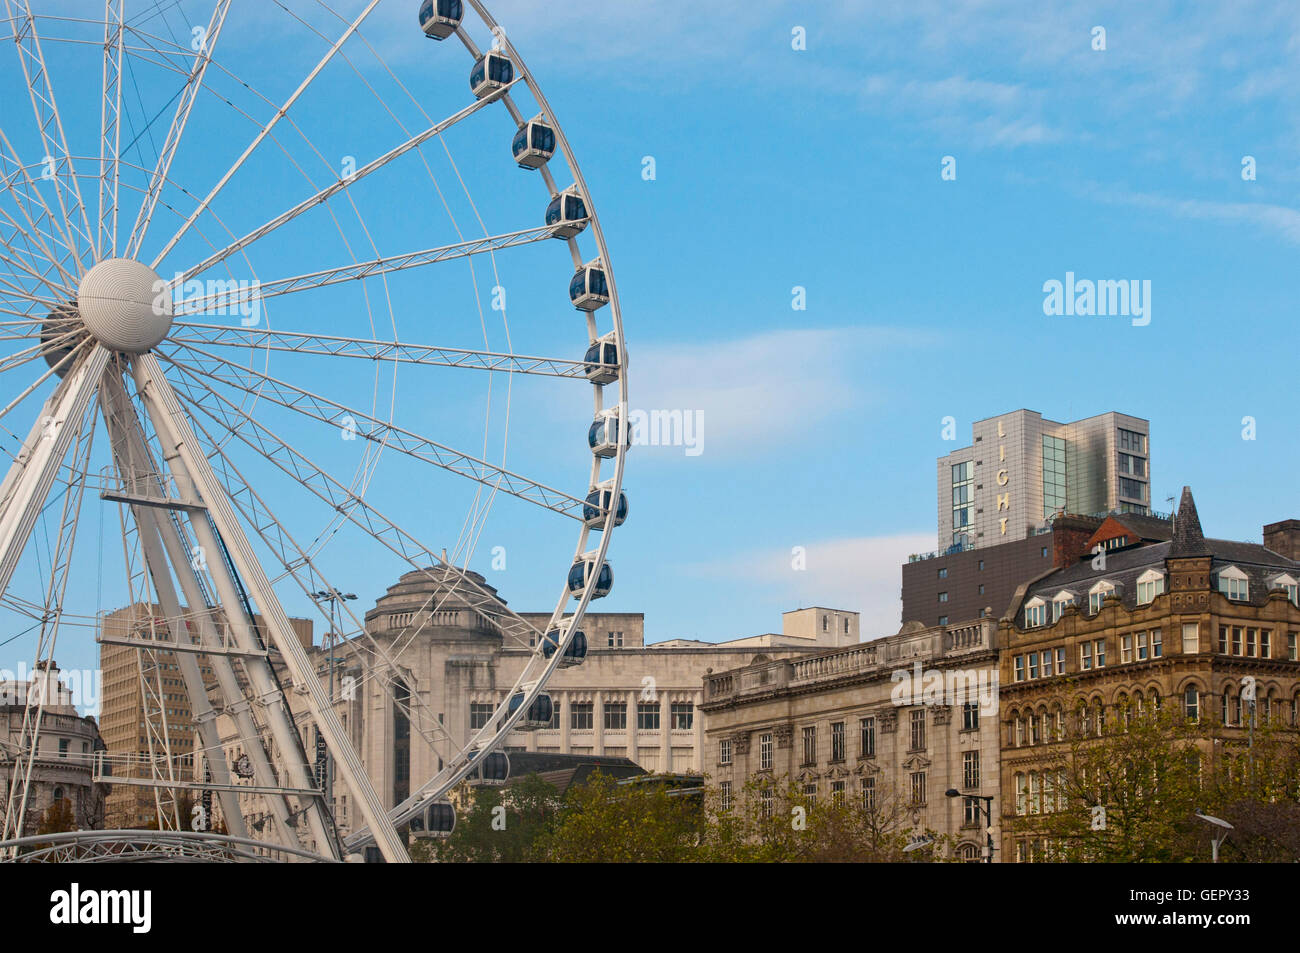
1124 566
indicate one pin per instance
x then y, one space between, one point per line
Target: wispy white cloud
758 392
1280 220
856 573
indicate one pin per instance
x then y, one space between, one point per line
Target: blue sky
776 168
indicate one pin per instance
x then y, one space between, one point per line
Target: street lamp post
986 810
1216 839
332 596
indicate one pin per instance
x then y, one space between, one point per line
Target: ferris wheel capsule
534 143
587 288
568 213
537 716
582 571
440 18
436 820
596 507
493 769
491 71
601 359
574 654
603 436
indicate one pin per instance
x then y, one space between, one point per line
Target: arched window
1192 703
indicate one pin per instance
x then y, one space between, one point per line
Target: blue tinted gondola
568 213
587 288
491 72
596 506
582 570
436 820
601 360
603 436
534 144
439 18
538 715
493 769
575 654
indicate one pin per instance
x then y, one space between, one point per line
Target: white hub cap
125 305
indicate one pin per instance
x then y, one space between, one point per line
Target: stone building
626 700
1143 625
892 723
69 744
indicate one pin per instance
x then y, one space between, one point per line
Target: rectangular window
1223 640
1250 643
1085 656
1291 646
555 715
1033 664
1125 649
943 597
683 715
868 794
1237 589
1157 646
1099 652
765 752
970 769
479 713
647 716
1047 663
767 799
918 729
616 716
943 573
837 792
867 731
1020 668
1132 441
725 791
810 745
724 751
918 788
1265 643
837 741
970 716
971 812
810 795
1141 646
615 640
1060 661
581 716
1236 640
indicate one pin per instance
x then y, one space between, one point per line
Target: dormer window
1059 602
1149 585
1035 612
1288 582
1098 593
1234 584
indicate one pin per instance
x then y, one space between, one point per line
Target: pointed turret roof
1188 539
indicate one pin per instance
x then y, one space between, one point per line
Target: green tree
500 826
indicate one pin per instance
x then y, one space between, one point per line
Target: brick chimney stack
1070 535
1283 538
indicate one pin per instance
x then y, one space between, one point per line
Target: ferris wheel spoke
298 564
28 482
263 133
67 361
233 419
389 435
20 358
110 127
222 335
27 197
338 186
48 120
176 132
231 296
28 256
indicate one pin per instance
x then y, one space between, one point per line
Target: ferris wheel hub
125 305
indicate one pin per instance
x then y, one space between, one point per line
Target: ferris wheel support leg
25 487
130 451
174 429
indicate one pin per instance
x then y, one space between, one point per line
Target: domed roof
451 586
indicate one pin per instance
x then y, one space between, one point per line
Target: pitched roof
1188 539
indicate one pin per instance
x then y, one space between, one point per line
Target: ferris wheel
221 291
